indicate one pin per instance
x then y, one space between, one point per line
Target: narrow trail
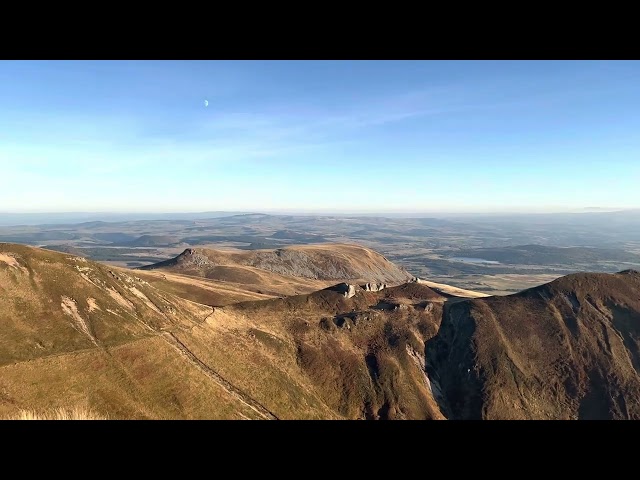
237 393
213 310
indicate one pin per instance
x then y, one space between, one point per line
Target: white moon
206 103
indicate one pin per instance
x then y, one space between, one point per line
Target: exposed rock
327 324
193 257
385 305
361 317
374 287
343 322
630 272
340 262
351 291
344 288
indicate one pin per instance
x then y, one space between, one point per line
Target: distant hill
298 237
78 252
114 237
318 262
544 255
38 237
152 241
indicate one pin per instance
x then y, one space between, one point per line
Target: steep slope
78 334
230 284
69 303
569 349
331 262
362 356
81 335
214 292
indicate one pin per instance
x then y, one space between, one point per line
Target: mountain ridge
318 262
79 334
568 349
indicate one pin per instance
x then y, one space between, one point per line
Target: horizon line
524 210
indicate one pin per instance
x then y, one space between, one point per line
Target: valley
508 253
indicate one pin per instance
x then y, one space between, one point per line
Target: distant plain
494 254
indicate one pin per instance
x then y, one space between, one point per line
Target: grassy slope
231 289
81 334
77 334
76 413
118 362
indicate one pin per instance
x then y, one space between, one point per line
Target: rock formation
374 287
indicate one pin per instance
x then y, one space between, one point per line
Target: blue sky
319 136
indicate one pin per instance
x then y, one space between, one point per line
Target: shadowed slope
363 356
566 349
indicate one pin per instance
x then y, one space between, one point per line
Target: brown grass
292 264
455 291
223 292
274 351
75 413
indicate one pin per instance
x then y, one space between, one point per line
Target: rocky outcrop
195 258
345 289
374 287
327 262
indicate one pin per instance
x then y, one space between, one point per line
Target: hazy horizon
322 137
258 211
